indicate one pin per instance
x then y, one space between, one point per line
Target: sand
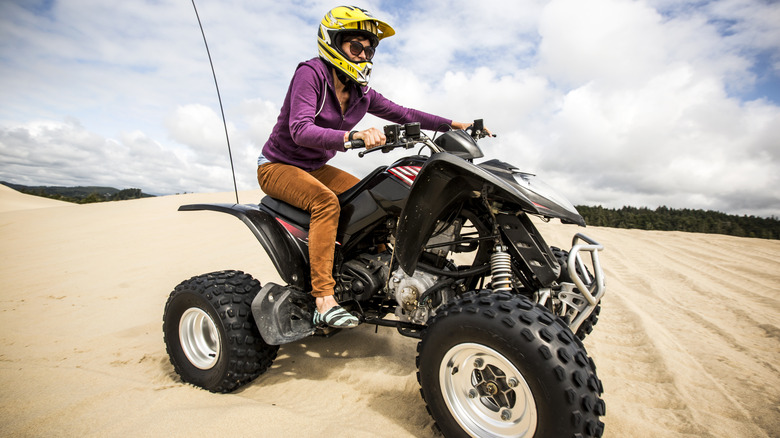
688 344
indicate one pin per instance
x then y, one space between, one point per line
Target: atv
443 250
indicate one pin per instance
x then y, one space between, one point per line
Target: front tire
495 364
210 334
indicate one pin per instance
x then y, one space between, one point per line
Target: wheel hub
485 393
491 388
492 384
199 338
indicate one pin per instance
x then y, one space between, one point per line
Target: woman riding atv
327 97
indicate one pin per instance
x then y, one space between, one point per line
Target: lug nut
506 415
512 382
472 393
478 363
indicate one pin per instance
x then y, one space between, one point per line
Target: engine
363 277
366 276
437 242
408 292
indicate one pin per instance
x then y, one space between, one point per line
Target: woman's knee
326 204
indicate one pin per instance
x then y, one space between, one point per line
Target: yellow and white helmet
349 20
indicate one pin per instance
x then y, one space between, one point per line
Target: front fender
444 181
289 257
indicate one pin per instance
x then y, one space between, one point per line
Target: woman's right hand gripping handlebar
369 138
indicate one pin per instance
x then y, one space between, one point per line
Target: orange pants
316 193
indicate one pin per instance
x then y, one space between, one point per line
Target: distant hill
79 194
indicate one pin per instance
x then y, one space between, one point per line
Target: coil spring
501 270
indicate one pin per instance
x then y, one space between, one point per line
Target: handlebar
408 135
478 130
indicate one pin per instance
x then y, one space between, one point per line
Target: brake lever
387 148
362 154
384 148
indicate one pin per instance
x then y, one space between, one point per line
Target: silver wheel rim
485 393
199 338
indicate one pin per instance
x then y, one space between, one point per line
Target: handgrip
355 144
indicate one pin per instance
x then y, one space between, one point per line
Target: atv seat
302 217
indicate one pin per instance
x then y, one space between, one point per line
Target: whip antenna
219 97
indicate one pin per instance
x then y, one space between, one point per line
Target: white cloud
607 40
612 101
198 127
655 126
66 153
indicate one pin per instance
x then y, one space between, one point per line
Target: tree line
694 221
80 194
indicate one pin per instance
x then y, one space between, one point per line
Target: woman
327 97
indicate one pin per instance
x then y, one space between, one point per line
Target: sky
614 102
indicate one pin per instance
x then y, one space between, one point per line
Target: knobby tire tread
246 356
563 362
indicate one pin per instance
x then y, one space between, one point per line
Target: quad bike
443 250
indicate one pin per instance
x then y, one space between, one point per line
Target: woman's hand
460 125
372 137
464 126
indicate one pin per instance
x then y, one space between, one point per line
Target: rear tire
495 364
210 334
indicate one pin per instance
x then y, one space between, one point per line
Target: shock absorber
501 269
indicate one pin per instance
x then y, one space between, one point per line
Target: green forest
80 194
694 221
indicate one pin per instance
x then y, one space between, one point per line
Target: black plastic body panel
370 202
548 207
289 256
442 182
459 143
529 246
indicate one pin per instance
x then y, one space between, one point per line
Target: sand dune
688 344
13 200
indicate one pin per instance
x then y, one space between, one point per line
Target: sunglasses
356 48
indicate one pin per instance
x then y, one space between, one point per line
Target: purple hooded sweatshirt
310 128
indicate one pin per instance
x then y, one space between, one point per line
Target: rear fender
289 256
444 181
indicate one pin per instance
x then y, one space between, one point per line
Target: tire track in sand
715 376
639 389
